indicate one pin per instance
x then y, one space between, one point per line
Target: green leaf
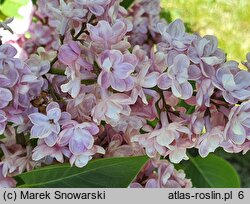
193 83
2 16
212 172
99 173
2 137
183 104
153 123
189 108
166 15
10 7
127 3
34 2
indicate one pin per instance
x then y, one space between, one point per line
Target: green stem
88 81
83 28
57 71
61 72
53 61
80 32
20 139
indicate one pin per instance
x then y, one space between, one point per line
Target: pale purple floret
103 32
8 76
62 16
8 161
70 54
26 87
163 140
143 77
174 36
204 52
5 97
79 137
111 107
7 54
177 77
106 36
38 66
233 82
77 70
210 141
205 90
161 174
47 126
81 160
8 66
6 181
237 129
3 121
116 70
96 7
81 106
41 34
42 150
212 138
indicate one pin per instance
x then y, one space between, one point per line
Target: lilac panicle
96 80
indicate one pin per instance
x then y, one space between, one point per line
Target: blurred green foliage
9 8
228 20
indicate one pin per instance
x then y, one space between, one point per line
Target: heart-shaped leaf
212 172
99 173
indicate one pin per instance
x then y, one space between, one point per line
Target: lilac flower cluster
166 176
103 81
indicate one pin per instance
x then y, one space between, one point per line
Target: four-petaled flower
116 70
233 82
106 36
174 36
46 126
78 136
177 77
238 126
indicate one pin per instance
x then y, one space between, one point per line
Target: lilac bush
96 80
